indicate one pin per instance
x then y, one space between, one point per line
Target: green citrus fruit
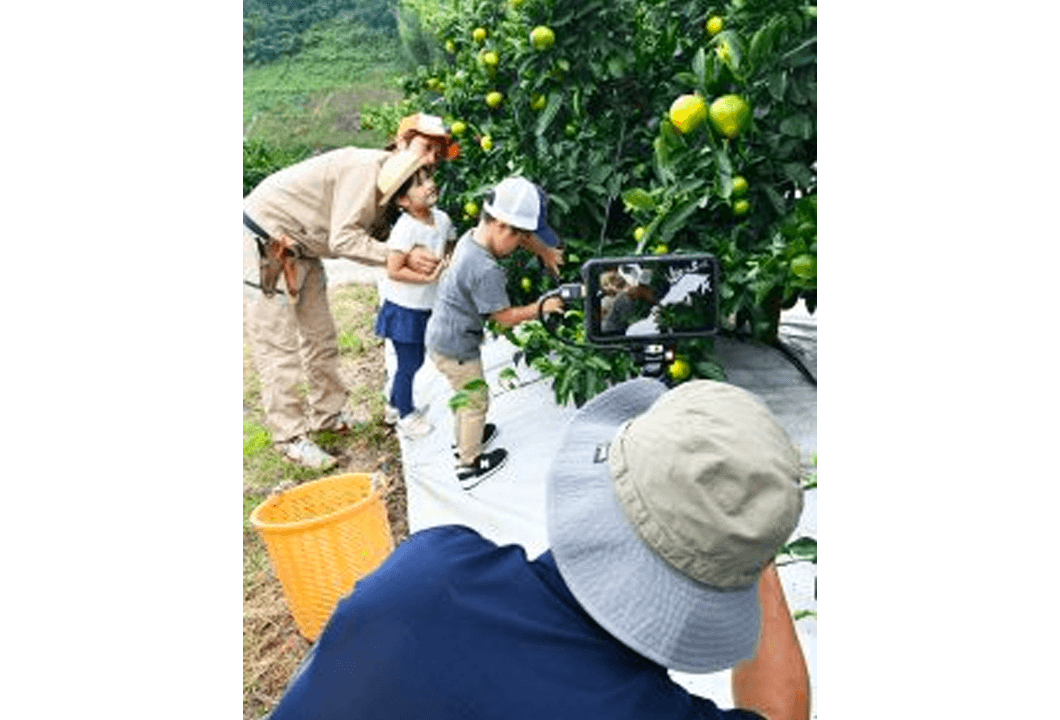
571 130
494 99
729 114
688 112
526 284
715 25
486 142
739 186
639 233
804 266
450 47
542 37
723 52
490 59
478 34
458 127
538 102
741 207
679 369
471 208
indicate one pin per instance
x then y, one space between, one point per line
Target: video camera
645 303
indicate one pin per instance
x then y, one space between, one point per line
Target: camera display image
651 299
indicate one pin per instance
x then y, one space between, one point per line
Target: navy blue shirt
453 627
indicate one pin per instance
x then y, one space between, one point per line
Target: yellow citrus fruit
679 369
526 284
688 112
739 185
715 25
486 142
741 207
639 233
542 37
450 47
494 99
804 266
471 208
490 59
729 114
478 34
660 249
458 127
537 102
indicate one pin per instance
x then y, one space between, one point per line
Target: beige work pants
289 341
469 420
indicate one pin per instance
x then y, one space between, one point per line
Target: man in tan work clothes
328 206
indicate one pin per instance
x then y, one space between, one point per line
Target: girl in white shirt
408 295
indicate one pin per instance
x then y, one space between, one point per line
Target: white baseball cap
523 205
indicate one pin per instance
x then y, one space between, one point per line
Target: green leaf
677 219
800 614
699 67
805 548
732 39
775 200
638 199
800 126
778 83
555 102
799 174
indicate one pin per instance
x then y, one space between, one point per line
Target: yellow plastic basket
322 537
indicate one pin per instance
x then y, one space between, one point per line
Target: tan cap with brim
398 168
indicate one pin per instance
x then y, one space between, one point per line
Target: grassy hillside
315 98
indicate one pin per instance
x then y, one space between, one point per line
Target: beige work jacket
326 203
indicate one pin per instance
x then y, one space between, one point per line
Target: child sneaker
414 426
390 415
485 465
489 434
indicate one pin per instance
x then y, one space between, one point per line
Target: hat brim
404 175
620 581
547 235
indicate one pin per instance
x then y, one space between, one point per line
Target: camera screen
651 299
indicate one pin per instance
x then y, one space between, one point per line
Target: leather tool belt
275 256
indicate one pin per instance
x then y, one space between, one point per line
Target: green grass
316 98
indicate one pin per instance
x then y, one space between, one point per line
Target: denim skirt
401 324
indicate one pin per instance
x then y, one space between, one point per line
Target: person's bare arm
775 682
421 260
512 316
551 257
397 268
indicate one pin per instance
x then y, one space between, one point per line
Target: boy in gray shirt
473 289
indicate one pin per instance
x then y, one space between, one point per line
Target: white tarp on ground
509 507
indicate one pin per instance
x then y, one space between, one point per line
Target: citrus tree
655 127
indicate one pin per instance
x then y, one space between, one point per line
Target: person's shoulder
400 237
446 536
441 216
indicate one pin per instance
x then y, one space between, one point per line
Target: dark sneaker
489 434
485 465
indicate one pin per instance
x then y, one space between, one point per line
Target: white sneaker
414 426
390 415
307 453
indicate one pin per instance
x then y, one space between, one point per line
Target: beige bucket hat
663 508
